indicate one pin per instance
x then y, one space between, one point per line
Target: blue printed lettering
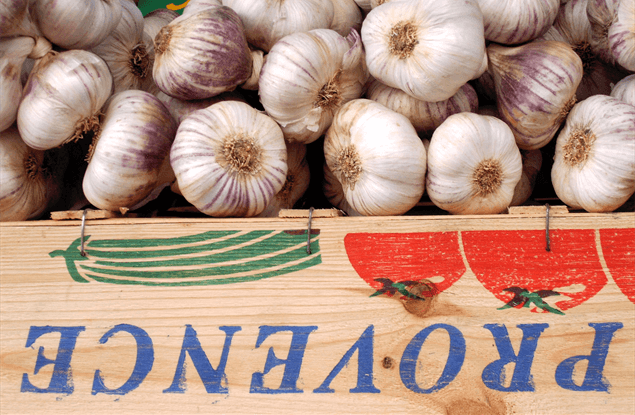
61 380
408 364
215 380
364 348
143 364
593 379
494 374
292 363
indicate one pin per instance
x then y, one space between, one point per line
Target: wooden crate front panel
234 316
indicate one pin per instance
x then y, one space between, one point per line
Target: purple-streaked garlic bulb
535 86
594 162
474 165
229 159
424 116
63 98
512 22
625 89
613 31
128 155
194 6
201 55
180 108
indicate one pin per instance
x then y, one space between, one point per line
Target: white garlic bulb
512 22
25 179
180 108
154 21
424 116
594 162
532 162
72 27
346 16
127 155
63 98
377 156
473 165
334 193
13 53
258 59
534 106
129 52
15 19
296 184
266 22
194 6
229 159
625 89
426 48
309 75
201 55
613 31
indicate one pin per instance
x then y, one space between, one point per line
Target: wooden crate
411 314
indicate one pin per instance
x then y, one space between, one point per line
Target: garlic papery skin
63 98
334 193
194 6
127 155
426 48
473 165
309 75
621 35
625 89
129 52
535 87
23 184
532 162
378 158
296 184
154 21
511 22
346 16
258 58
70 26
594 161
229 159
201 55
266 22
602 14
13 53
15 19
424 116
181 109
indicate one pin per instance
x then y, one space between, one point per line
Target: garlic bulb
473 165
179 109
594 162
625 89
377 156
229 159
72 27
27 184
512 22
201 55
194 6
426 48
129 52
334 193
266 22
127 155
15 19
621 35
13 53
154 21
63 98
307 77
424 116
532 162
296 184
346 16
534 106
258 58
365 5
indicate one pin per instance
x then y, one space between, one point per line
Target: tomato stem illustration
524 298
390 288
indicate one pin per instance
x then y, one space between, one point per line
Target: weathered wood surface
320 339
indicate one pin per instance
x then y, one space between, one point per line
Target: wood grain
332 305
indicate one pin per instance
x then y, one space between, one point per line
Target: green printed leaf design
209 258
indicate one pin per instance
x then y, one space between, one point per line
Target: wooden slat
333 309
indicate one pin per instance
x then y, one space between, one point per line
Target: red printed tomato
618 247
381 259
517 268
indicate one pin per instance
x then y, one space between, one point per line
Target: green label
147 6
208 258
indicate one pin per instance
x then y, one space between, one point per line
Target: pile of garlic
244 107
